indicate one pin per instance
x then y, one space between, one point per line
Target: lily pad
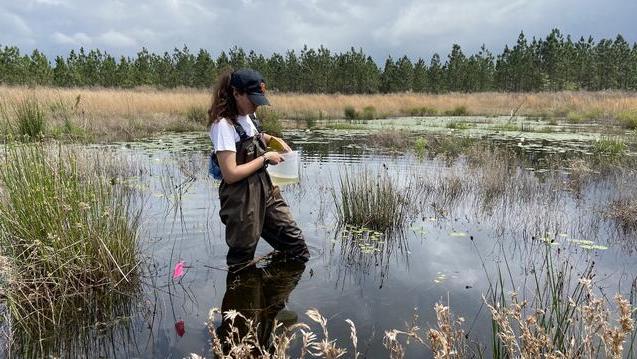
458 234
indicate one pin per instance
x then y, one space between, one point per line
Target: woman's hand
274 157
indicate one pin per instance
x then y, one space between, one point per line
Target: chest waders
253 207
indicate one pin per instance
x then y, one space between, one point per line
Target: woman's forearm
266 138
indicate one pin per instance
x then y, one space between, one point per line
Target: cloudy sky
417 28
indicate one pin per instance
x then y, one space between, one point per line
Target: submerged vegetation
68 237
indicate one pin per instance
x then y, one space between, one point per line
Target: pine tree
40 69
419 83
436 75
389 81
204 70
61 76
456 69
108 72
404 74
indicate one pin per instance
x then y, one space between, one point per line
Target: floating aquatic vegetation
457 234
367 240
586 244
440 277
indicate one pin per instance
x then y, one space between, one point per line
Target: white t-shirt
224 136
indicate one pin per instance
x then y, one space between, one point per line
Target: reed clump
422 111
562 317
610 147
24 119
366 114
457 111
69 232
392 139
373 201
624 212
197 114
628 119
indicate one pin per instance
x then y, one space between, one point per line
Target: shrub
594 114
197 114
350 113
270 121
457 111
369 113
423 111
311 118
628 119
574 117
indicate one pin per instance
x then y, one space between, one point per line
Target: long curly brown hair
223 102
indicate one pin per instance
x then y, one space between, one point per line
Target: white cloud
380 27
51 2
11 23
427 19
77 39
117 40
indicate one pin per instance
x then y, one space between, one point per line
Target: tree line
548 64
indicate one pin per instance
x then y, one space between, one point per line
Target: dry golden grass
144 101
108 114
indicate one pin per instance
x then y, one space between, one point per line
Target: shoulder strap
257 123
242 133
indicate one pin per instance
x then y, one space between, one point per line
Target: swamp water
461 234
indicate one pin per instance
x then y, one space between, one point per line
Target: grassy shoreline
116 114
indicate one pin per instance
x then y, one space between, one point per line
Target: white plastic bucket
288 169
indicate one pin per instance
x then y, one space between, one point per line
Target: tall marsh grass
558 315
610 147
373 201
24 119
30 119
161 108
69 234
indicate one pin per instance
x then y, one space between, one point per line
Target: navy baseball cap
252 83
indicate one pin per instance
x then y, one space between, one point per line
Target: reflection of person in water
260 294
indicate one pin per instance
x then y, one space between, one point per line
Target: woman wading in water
251 206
